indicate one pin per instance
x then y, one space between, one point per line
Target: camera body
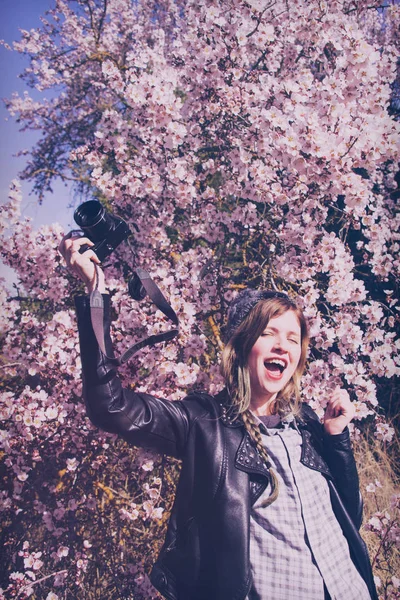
104 230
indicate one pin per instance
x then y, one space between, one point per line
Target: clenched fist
339 412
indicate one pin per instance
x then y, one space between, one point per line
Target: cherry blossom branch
30 585
381 544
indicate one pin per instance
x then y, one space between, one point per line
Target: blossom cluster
246 144
384 526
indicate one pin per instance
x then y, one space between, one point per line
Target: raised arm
141 419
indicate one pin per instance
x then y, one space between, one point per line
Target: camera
104 230
107 232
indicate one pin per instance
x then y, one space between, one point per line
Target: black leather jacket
206 551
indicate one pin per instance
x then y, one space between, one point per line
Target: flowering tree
246 143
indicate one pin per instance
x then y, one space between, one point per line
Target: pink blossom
384 432
375 523
148 465
62 551
233 140
395 582
72 464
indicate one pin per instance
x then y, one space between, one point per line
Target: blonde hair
234 368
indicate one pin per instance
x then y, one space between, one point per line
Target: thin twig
29 585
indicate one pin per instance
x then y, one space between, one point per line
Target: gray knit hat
244 302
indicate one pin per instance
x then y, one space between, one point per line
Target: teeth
277 361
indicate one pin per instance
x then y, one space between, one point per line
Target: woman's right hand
82 265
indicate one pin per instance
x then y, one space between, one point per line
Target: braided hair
254 431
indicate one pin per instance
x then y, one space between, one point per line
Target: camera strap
154 292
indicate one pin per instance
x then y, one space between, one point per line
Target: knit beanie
244 302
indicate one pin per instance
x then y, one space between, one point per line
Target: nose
280 343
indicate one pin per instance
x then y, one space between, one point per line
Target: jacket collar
248 459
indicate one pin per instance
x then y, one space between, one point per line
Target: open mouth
275 366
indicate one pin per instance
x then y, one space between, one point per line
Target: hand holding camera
82 264
102 234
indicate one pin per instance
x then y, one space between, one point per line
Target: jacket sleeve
340 459
141 419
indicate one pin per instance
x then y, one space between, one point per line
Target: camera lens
92 218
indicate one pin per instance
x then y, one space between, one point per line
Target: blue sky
56 207
16 15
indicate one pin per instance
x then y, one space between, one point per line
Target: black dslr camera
103 229
106 232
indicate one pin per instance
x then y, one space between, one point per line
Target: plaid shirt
296 543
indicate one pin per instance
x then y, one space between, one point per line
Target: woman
268 504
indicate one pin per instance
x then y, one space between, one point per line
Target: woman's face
274 358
